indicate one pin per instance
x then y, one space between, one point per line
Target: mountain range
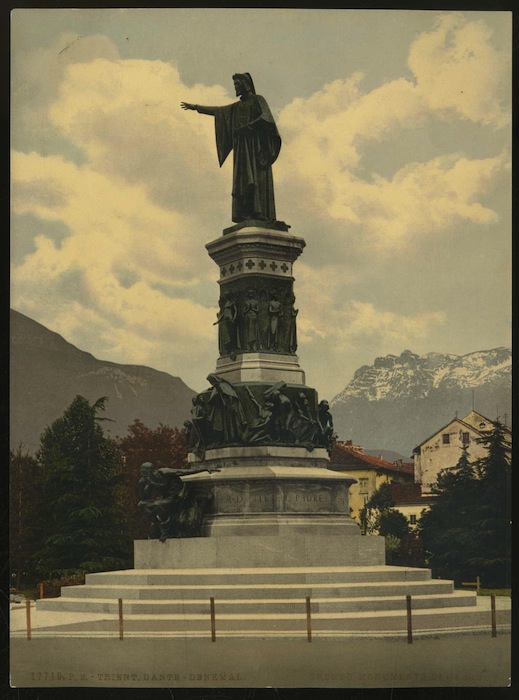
398 401
47 372
388 407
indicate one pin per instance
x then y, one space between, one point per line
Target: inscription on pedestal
278 497
309 498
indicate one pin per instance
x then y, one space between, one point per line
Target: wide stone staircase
282 601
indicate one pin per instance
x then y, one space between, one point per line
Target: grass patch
497 591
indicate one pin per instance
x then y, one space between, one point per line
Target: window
446 439
412 519
465 438
363 485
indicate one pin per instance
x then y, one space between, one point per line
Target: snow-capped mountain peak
409 375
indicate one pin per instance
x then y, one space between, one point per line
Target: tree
84 527
379 502
164 447
379 517
493 520
448 529
24 528
393 522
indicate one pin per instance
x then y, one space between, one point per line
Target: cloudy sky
395 169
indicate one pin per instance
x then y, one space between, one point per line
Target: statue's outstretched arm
199 108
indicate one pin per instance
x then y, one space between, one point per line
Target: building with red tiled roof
370 472
409 501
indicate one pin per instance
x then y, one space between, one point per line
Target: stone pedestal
264 553
260 367
272 492
258 423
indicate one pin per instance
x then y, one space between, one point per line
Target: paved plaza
340 661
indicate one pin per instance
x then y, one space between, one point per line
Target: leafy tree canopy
164 447
466 531
83 526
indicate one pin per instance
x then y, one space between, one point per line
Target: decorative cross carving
223 271
250 264
273 266
284 267
262 264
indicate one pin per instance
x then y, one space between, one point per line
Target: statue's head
147 468
324 405
243 83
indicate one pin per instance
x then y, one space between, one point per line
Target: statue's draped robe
254 151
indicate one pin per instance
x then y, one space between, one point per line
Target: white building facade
443 449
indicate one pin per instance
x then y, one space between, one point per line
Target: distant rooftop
348 454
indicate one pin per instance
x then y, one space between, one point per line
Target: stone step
244 590
348 622
288 575
258 606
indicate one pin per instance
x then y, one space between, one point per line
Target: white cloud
115 229
321 170
457 69
329 315
126 118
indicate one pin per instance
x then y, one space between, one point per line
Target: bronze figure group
229 414
256 321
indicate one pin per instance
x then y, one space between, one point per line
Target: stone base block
260 367
261 456
286 550
249 500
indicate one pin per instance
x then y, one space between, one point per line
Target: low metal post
28 617
213 621
120 602
493 613
41 591
409 620
308 619
477 585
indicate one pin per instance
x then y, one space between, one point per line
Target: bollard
41 591
493 613
477 585
28 617
213 621
409 620
308 619
120 601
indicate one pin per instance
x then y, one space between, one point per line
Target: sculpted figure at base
258 429
171 506
325 425
291 341
225 413
303 425
250 319
275 314
198 428
226 320
247 128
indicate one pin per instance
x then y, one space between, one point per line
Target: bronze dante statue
248 129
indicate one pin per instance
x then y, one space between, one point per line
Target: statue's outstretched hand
187 105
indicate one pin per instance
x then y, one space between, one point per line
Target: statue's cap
247 79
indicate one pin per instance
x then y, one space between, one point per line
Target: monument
259 438
258 521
